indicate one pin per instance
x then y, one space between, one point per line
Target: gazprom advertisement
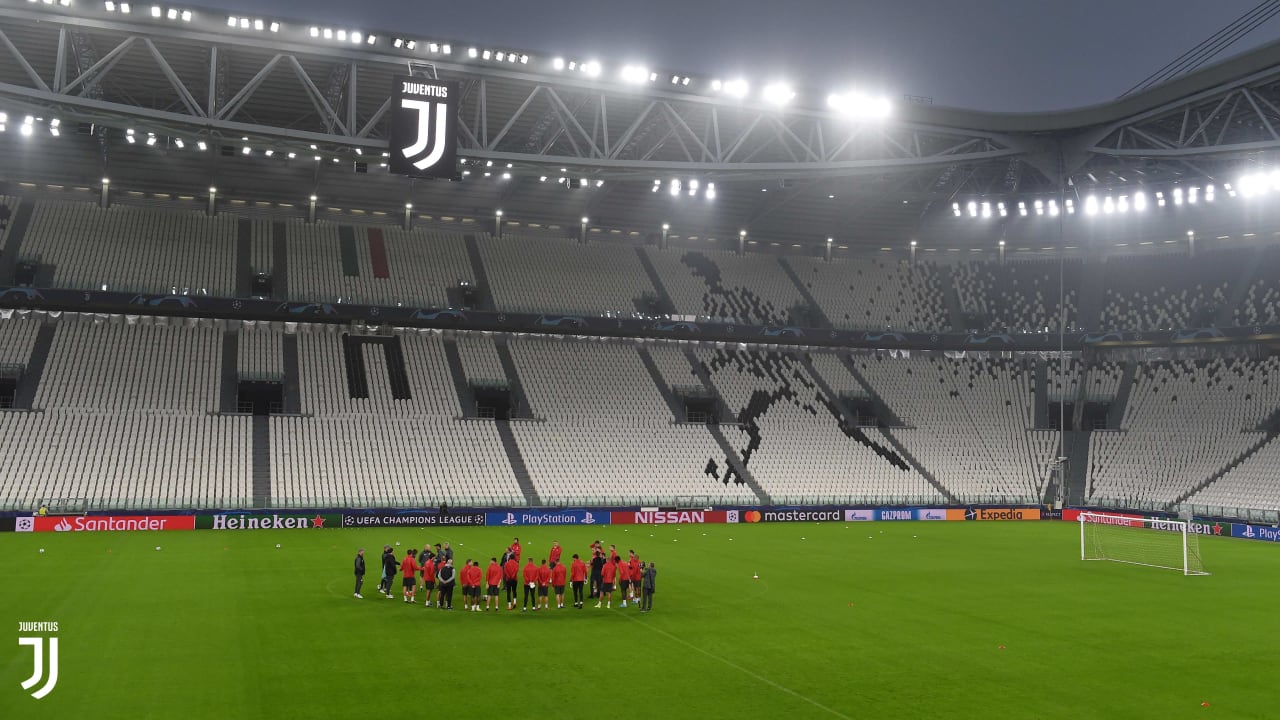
890 514
547 517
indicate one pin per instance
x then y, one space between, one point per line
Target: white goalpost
1140 541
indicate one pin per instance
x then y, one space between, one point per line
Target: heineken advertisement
264 521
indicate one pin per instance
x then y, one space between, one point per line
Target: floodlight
778 94
111 6
1071 206
1091 205
172 14
487 54
1108 205
498 213
231 19
186 16
737 88
524 59
269 153
1177 196
179 143
315 32
558 63
599 183
1053 208
342 35
472 52
446 49
1039 206
592 69
585 219
1122 204
1003 211
201 144
151 139
245 150
986 209
1022 209
717 85
125 8
634 74
292 155
542 178
675 187
1193 195
1139 201
26 129
506 176
1001 243
972 207
328 33
499 57
155 11
244 23
275 27
711 191
1160 199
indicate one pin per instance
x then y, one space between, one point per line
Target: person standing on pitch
558 573
409 568
624 581
429 579
389 566
607 575
544 586
359 572
511 578
515 547
493 578
597 567
447 552
637 569
553 556
446 577
477 580
530 585
648 585
577 576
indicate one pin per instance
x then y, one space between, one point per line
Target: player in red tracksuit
511 578
530 585
558 574
553 555
607 575
636 577
428 580
477 580
493 578
624 581
515 548
578 576
544 586
409 567
464 582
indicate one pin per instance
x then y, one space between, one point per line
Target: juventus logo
429 133
38 645
423 128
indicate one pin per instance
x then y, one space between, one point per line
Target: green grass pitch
869 620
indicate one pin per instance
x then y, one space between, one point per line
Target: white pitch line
739 668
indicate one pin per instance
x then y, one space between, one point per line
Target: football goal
1140 541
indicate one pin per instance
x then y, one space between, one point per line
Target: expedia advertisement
424 127
412 519
266 521
998 513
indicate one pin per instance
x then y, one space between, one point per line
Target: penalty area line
741 669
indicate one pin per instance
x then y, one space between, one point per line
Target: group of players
434 566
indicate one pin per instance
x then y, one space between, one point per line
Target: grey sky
998 55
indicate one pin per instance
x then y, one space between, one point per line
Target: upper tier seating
1168 292
1018 296
875 294
1251 484
726 287
134 249
548 275
1261 303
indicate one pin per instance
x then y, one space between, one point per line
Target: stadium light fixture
202 145
110 5
711 191
1193 195
106 181
1160 199
245 150
1039 206
1208 193
151 139
1071 206
1122 205
972 207
292 155
1091 205
737 88
778 94
1053 208
1003 211
1177 196
955 208
314 32
986 209
506 176
666 226
717 86
268 153
542 178
125 8
155 11
592 68
558 63
171 14
599 183
1108 205
213 190
1022 208
913 243
635 74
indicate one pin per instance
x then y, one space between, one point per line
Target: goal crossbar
1135 540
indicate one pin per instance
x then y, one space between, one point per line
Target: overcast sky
998 55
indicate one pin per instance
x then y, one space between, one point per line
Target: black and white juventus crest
423 135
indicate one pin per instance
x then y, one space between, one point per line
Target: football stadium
712 396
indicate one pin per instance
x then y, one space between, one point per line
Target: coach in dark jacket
359 571
648 585
389 568
445 577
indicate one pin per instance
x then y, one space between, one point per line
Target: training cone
1204 704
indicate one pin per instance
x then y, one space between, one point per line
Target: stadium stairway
229 395
654 374
1077 454
347 251
353 360
1082 387
816 315
669 305
518 468
520 401
477 268
280 272
1115 416
13 246
882 408
24 396
396 371
261 462
731 455
292 386
1093 295
1263 439
1042 394
1225 316
244 258
951 298
466 399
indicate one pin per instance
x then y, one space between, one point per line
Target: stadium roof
801 172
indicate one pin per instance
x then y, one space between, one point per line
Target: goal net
1140 541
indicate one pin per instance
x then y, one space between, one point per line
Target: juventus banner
424 123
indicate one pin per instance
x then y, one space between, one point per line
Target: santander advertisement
100 523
